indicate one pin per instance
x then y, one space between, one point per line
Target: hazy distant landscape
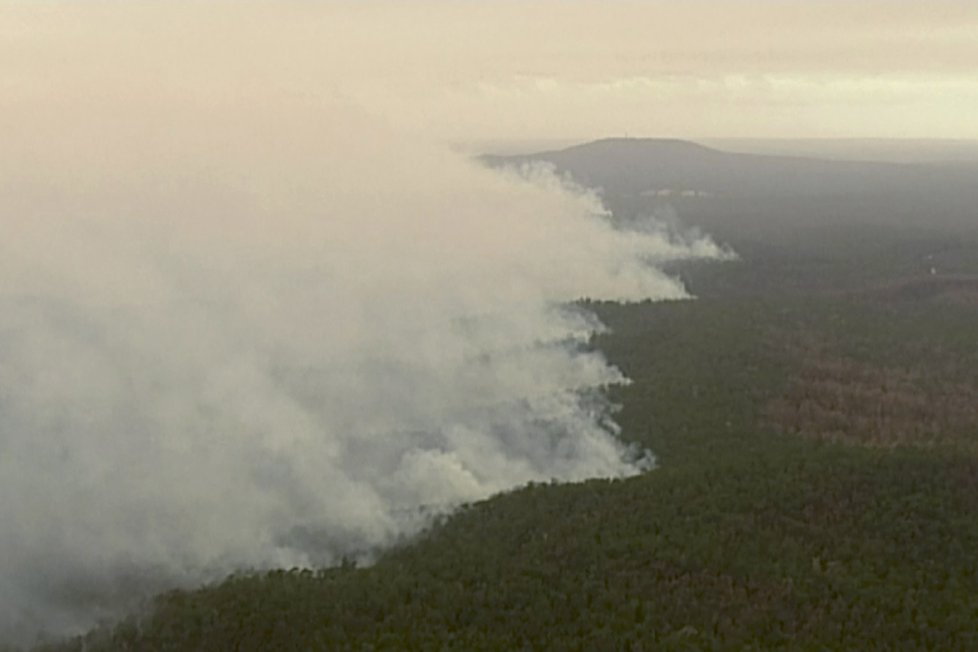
813 417
451 325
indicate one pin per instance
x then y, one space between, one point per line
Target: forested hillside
813 415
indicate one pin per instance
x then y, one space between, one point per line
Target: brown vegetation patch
965 296
841 399
960 289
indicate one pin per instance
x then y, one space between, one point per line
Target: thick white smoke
273 333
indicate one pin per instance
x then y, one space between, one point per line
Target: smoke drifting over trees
243 335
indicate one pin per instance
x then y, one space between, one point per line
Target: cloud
470 71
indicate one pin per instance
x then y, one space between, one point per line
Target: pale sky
482 70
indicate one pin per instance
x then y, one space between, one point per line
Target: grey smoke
279 339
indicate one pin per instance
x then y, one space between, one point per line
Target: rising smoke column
266 331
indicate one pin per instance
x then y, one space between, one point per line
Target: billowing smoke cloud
246 335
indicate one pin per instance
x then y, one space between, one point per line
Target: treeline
746 537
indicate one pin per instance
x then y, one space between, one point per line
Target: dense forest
814 413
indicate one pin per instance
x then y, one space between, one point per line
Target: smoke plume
276 333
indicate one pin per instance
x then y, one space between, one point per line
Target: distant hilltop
674 167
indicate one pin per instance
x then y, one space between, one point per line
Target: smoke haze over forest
243 334
256 312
